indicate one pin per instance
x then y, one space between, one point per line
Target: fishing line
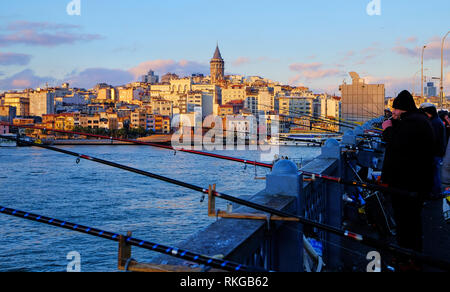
171 251
344 233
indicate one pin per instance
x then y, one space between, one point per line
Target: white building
42 102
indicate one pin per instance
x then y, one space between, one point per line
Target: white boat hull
8 143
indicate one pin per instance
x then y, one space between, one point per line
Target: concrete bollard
287 239
284 179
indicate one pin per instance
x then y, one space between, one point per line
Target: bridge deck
436 240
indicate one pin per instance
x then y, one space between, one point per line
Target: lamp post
441 93
421 84
415 80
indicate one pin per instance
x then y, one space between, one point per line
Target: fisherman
439 151
408 165
446 184
443 114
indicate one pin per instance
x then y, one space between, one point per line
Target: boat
8 143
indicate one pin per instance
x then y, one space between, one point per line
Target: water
52 184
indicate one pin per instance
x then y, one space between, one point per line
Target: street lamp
415 80
421 84
441 94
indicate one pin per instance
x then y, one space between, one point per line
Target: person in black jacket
440 147
408 165
445 119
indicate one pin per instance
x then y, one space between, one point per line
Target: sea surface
52 184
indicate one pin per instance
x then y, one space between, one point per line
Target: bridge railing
278 245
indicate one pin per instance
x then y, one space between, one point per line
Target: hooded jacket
408 162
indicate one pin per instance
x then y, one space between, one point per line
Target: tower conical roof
217 54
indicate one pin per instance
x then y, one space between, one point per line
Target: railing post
334 207
287 239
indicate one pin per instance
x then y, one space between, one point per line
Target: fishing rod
338 122
156 247
370 186
312 127
158 145
344 233
293 123
338 180
245 161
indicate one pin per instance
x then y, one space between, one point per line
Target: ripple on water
51 184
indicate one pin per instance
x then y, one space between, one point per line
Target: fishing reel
370 208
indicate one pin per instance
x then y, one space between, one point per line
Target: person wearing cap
408 165
440 146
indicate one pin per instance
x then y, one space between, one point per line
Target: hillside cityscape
148 106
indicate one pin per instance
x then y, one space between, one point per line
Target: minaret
217 67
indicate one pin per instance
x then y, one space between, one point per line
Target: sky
296 42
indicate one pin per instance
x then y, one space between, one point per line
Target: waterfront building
243 125
107 93
233 92
42 102
326 106
4 129
130 94
7 113
225 110
251 104
199 99
65 122
139 119
20 102
162 124
266 101
162 107
23 121
237 106
90 121
294 106
360 101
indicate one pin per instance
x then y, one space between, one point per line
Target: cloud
24 79
22 24
246 60
395 84
295 81
241 61
311 71
181 68
349 54
90 77
314 74
411 39
432 51
43 34
86 79
7 59
305 66
401 50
